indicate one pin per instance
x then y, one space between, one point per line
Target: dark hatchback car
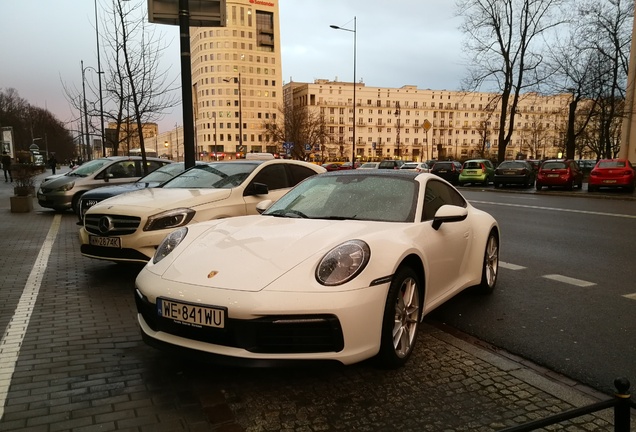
448 170
153 179
515 172
564 173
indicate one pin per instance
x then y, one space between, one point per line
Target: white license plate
553 175
113 242
471 172
510 172
191 314
609 181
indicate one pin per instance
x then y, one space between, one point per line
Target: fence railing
621 402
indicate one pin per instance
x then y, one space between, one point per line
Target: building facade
421 124
237 80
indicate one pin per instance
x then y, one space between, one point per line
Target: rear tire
539 186
490 267
400 322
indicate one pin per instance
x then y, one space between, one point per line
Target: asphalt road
566 297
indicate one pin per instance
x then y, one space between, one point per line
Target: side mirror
256 189
449 213
263 205
107 177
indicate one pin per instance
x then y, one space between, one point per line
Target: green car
475 171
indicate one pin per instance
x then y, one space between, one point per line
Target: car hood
110 191
154 200
250 253
60 181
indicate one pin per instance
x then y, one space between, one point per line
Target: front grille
268 335
120 225
87 203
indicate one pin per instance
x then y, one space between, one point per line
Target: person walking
6 167
52 163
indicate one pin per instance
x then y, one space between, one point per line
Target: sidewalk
83 367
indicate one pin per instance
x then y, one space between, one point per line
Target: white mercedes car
130 226
342 268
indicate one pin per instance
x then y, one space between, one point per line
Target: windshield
363 197
164 173
89 168
554 165
221 175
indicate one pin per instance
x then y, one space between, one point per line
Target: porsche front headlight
169 219
343 263
168 244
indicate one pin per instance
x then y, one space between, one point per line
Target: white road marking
630 296
510 266
569 280
12 339
557 209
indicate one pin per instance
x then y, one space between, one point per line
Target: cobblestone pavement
72 359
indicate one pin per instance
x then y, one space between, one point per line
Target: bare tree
298 125
137 86
607 25
504 37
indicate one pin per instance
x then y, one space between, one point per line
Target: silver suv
64 192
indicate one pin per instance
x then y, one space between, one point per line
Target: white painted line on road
510 266
556 209
630 296
14 335
569 280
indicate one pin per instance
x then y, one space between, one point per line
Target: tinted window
437 195
611 164
299 173
274 176
443 165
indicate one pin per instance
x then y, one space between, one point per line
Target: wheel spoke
406 318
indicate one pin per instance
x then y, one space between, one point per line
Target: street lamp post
353 148
87 153
398 112
240 102
216 154
99 75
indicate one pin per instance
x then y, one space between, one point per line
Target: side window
438 194
274 176
118 170
152 165
299 173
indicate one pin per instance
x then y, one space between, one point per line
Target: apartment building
237 80
420 124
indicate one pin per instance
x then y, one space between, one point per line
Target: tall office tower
237 80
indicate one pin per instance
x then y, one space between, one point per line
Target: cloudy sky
399 42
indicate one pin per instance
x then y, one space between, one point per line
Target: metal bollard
622 408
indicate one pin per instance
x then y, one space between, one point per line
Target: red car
563 173
612 173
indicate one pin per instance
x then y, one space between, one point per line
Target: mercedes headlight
168 244
169 219
343 263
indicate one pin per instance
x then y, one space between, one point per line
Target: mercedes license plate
191 314
112 242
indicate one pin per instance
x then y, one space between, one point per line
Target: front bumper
55 200
138 247
272 326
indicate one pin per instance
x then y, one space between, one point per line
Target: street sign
427 125
307 147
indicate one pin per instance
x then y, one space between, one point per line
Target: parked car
64 192
475 171
154 179
323 274
130 226
347 165
369 165
416 166
448 170
536 163
332 166
612 173
563 173
515 172
390 164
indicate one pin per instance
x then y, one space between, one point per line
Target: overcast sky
399 42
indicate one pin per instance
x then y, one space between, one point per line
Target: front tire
402 314
490 267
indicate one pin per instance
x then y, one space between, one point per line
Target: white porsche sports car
343 267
